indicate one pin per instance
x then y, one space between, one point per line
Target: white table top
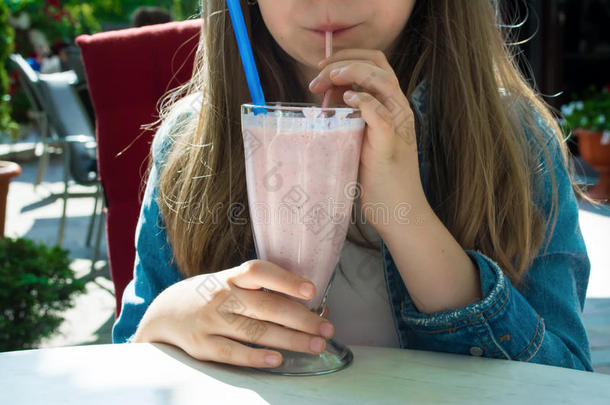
154 374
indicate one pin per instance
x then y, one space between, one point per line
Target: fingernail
326 329
335 72
314 82
349 95
272 359
316 344
306 289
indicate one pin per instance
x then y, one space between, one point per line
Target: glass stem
320 310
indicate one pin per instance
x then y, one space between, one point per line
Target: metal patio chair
29 81
69 118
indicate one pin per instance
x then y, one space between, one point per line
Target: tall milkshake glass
301 172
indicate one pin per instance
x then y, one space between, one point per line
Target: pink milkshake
301 171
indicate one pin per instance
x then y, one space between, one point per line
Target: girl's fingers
257 274
268 306
323 81
373 55
368 78
255 331
224 350
336 94
373 112
380 125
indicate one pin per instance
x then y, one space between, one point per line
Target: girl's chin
308 64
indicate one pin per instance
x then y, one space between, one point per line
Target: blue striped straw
247 57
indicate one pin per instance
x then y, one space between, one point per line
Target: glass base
335 357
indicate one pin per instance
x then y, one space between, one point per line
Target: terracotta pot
598 156
8 170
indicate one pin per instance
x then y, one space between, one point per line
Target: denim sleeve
154 269
540 321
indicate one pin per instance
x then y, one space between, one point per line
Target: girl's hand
207 315
388 160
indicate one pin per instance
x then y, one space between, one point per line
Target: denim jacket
538 322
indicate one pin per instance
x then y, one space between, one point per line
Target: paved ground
34 213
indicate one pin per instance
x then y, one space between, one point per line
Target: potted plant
36 286
8 170
588 118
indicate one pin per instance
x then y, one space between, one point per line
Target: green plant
64 20
7 35
36 285
591 111
121 10
59 21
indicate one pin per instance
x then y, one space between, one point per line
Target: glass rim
297 106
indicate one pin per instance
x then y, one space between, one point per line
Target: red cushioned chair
128 71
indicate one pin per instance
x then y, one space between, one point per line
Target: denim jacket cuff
501 325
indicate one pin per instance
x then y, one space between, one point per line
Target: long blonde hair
481 182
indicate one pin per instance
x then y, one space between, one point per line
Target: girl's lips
337 32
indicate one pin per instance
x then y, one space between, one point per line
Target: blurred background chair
128 71
69 119
64 122
29 81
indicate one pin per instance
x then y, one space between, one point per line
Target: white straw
329 44
329 52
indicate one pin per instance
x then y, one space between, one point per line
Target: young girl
492 262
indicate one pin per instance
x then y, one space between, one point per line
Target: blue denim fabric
538 322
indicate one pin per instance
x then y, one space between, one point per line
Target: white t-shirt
359 305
